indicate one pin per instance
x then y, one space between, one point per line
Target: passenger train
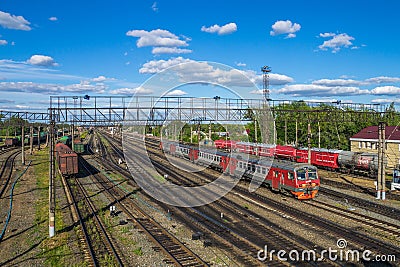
299 179
335 160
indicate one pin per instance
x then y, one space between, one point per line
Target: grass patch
138 251
160 178
54 249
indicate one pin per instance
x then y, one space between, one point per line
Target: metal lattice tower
266 70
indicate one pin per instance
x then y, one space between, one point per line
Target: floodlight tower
266 70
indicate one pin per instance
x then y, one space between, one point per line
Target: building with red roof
367 140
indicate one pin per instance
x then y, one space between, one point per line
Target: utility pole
381 188
23 143
31 141
255 131
191 133
38 138
309 143
319 135
52 194
285 131
209 131
296 141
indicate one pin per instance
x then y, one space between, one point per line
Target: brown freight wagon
67 160
11 141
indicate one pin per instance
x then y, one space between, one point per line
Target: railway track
92 226
344 181
361 239
6 171
178 254
387 211
376 224
249 233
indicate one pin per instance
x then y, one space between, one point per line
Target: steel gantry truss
151 110
28 116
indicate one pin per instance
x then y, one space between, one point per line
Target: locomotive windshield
306 173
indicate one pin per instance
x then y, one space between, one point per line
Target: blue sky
325 51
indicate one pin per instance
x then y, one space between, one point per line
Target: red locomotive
299 179
67 160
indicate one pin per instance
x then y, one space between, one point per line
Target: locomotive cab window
301 174
312 174
307 173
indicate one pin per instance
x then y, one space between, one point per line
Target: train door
276 176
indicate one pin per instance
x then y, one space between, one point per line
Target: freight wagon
67 160
79 147
11 142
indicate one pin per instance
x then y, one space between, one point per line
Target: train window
240 164
301 174
290 175
264 171
276 174
258 169
312 174
396 176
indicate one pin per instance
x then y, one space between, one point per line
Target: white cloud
132 91
274 78
386 100
41 60
156 66
193 71
386 90
170 50
320 91
2 101
337 42
202 71
154 7
383 79
338 82
53 18
162 41
285 27
9 21
176 93
240 64
279 79
3 42
156 38
220 30
102 78
23 70
327 34
46 88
